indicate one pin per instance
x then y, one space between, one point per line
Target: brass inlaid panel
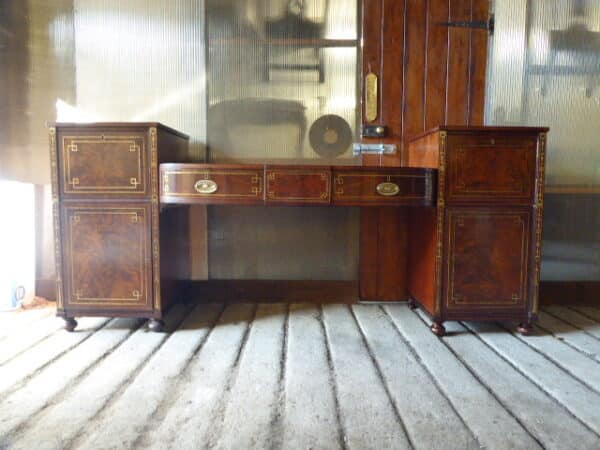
298 186
107 256
492 168
104 164
483 267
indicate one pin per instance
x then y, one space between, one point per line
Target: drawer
383 186
211 184
103 163
298 185
491 168
107 256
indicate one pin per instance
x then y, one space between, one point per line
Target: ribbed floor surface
299 376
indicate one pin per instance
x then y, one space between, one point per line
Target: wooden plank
192 395
22 367
478 63
310 417
430 419
257 388
122 423
551 424
392 273
414 68
13 320
435 64
589 311
576 319
491 423
571 335
581 401
27 336
18 407
369 253
367 415
458 70
576 363
105 383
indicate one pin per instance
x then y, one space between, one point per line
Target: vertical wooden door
429 74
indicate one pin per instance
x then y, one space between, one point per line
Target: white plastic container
17 244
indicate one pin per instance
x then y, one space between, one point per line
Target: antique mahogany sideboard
472 199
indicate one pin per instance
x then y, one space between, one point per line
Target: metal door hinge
480 25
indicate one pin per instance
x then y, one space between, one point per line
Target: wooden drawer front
413 186
103 164
211 186
487 258
298 186
493 168
107 256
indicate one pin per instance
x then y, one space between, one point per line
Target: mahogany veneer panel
107 256
298 185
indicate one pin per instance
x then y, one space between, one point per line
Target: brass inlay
440 223
387 189
70 144
371 100
457 298
155 212
112 301
206 186
255 178
56 218
323 195
538 226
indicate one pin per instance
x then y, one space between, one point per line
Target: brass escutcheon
388 189
206 186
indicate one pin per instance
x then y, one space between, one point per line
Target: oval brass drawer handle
388 189
206 186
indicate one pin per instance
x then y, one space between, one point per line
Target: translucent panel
142 60
544 69
275 67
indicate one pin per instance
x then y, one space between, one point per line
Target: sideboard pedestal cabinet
471 203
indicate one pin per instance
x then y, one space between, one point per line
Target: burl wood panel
359 186
107 256
298 185
492 168
103 162
486 261
236 184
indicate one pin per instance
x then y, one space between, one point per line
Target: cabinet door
107 257
486 262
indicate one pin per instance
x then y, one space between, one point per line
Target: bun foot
438 329
525 329
156 325
412 304
70 324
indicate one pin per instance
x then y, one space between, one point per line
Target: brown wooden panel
492 167
392 284
235 184
459 48
436 64
298 185
103 162
422 245
486 262
478 64
106 248
424 151
356 186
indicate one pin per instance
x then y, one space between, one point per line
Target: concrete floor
299 377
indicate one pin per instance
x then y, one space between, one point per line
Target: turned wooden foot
156 325
412 304
70 323
438 329
525 329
